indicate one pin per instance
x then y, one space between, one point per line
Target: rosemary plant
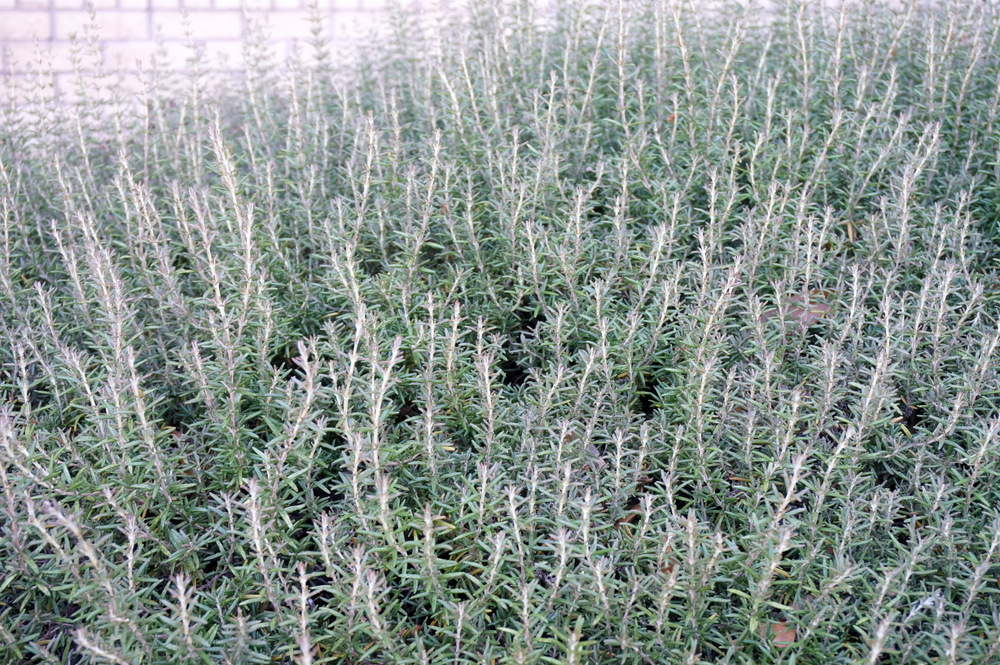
647 331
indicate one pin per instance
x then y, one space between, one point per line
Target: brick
197 4
201 24
8 4
25 26
110 25
68 89
25 88
128 88
129 84
70 4
165 4
134 4
172 55
290 4
301 51
224 54
106 88
355 26
340 52
127 54
283 25
24 56
33 4
103 4
252 5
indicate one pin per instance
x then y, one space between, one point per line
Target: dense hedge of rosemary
644 333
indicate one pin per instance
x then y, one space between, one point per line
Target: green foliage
630 333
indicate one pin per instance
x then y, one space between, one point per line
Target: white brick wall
130 32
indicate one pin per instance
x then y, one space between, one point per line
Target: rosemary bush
637 332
